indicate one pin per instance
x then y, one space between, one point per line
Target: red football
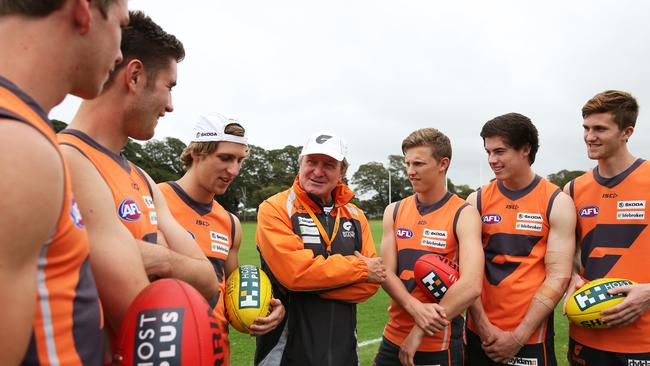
434 274
169 323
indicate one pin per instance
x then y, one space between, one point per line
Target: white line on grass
369 342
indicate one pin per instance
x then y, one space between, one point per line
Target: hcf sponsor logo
589 211
129 210
491 218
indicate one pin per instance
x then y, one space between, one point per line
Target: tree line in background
267 172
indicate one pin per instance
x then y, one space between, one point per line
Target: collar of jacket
342 195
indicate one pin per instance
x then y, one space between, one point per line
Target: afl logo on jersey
129 210
589 211
403 233
491 218
75 214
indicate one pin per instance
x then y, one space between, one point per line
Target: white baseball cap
326 143
211 128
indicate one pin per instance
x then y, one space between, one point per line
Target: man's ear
81 13
444 164
134 74
627 132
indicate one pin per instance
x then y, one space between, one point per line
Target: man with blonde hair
431 221
212 160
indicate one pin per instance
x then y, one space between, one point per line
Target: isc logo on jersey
129 210
589 211
403 233
491 218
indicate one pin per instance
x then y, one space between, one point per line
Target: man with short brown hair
613 236
50 49
125 212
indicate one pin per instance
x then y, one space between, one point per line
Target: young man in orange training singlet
611 202
529 241
212 160
432 220
50 310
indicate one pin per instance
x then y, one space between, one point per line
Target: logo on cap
322 138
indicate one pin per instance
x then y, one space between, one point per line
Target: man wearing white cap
123 209
318 251
212 160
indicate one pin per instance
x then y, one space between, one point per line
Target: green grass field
371 318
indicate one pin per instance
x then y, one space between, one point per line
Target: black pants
581 355
541 354
388 355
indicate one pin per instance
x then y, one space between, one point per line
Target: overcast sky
375 70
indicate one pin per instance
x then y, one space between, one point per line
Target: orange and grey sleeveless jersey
614 242
213 228
67 327
131 191
420 230
515 233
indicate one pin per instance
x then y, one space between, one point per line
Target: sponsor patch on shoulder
216 236
153 218
436 234
220 248
528 226
491 218
434 243
631 205
525 216
128 210
589 211
148 201
75 214
630 215
403 233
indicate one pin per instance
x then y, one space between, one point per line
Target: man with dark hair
47 288
615 241
212 160
528 239
439 222
318 251
125 212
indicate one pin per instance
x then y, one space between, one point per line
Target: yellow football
248 295
584 305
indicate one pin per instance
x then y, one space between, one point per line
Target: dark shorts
541 354
388 355
581 355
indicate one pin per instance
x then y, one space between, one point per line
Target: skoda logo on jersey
75 214
347 226
404 233
491 218
129 210
589 211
